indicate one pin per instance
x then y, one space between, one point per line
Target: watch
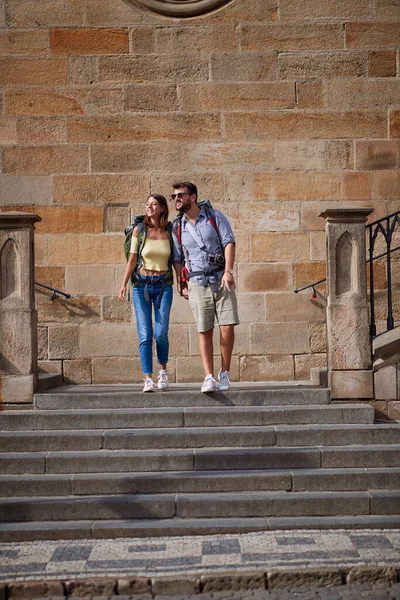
229 271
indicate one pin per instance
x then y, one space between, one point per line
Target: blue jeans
145 296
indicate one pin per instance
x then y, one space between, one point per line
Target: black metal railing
54 290
386 226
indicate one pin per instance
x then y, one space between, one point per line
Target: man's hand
228 281
185 291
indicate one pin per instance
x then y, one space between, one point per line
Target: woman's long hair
164 215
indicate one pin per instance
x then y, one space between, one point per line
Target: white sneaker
209 384
148 384
224 381
163 382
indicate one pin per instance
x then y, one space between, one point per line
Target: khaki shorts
206 305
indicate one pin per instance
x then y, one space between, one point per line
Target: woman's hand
122 293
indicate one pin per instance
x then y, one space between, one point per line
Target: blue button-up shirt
196 258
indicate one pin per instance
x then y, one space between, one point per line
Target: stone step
213 416
202 505
130 528
210 459
296 480
198 437
178 395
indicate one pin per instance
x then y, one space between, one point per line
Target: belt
149 279
206 272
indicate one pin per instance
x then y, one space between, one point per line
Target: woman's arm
130 267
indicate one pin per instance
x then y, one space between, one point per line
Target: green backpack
142 232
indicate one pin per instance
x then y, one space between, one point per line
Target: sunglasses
179 195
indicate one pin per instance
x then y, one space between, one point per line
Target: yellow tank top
155 253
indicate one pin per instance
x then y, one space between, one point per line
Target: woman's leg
161 325
144 326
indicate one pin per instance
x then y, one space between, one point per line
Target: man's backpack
138 222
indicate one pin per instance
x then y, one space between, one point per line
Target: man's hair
191 188
164 216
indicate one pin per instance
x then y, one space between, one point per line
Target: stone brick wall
277 109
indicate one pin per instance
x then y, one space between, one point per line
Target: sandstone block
385 381
244 581
279 338
280 126
79 588
317 333
119 158
394 410
376 576
45 160
247 66
178 340
309 94
137 585
100 189
82 70
119 339
317 245
17 389
93 279
287 306
72 310
266 368
303 363
362 94
233 156
116 218
89 41
106 13
237 96
197 38
116 370
242 247
251 307
374 155
308 579
385 185
387 11
151 97
271 247
351 384
265 277
41 249
142 40
50 366
297 185
312 10
264 216
163 69
321 65
78 372
25 190
53 276
238 186
312 155
306 273
86 249
84 100
42 343
41 130
126 128
48 12
115 311
63 341
70 219
33 71
382 63
180 310
394 123
302 36
367 35
209 184
8 131
35 589
246 10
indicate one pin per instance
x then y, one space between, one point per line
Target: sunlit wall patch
181 8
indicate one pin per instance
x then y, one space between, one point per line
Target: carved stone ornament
181 8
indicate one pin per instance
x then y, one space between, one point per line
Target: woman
150 269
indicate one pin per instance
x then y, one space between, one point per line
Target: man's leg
227 338
207 350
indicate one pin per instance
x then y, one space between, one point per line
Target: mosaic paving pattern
190 555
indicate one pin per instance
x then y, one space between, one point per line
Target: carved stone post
349 343
18 317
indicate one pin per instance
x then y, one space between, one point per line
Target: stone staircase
110 461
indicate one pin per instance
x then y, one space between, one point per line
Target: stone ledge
275 579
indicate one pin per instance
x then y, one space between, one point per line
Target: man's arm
228 279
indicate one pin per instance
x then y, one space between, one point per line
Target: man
204 254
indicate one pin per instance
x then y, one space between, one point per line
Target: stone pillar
348 337
18 317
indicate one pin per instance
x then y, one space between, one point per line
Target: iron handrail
54 290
